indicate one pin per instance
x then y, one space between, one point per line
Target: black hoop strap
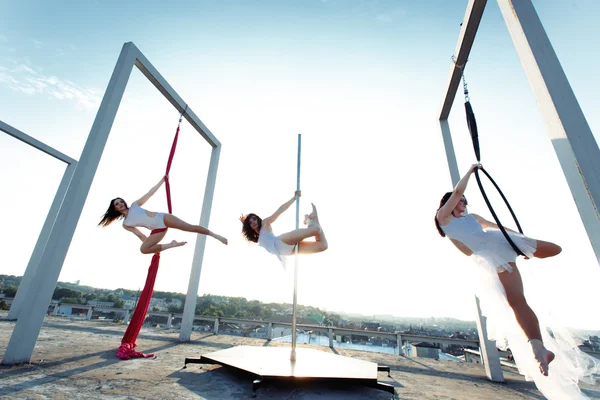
487 201
472 124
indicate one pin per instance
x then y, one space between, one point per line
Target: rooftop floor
75 359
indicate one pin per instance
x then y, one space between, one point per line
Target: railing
329 331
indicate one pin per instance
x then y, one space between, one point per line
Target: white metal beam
22 341
466 38
573 141
469 26
34 261
171 95
189 309
25 138
450 155
31 318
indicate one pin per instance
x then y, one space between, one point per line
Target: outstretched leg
172 221
546 249
513 286
151 245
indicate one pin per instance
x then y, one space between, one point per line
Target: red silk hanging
126 350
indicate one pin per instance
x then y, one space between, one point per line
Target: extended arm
136 232
150 193
457 194
489 224
280 210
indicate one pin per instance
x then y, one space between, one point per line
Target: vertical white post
330 334
293 354
489 353
449 147
573 141
399 343
191 298
169 320
36 256
89 313
22 341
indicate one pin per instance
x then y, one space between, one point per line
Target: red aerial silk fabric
126 350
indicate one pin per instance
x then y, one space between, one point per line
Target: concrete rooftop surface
75 359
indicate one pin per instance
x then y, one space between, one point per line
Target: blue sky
361 80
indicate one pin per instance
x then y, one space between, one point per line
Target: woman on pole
258 230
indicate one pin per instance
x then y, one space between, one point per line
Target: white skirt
499 253
570 366
284 250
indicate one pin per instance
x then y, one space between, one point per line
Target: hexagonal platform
273 363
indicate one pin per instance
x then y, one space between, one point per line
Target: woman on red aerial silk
135 216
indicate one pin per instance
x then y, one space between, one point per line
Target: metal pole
293 355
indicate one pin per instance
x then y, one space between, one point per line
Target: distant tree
4 306
70 300
155 309
174 309
213 311
9 280
10 291
256 310
119 304
60 293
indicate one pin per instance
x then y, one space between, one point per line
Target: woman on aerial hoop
135 216
482 240
259 231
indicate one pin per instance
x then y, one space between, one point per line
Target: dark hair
112 214
248 232
444 200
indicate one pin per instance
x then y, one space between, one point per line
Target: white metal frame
575 146
34 260
34 307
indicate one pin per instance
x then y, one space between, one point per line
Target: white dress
492 253
274 245
489 246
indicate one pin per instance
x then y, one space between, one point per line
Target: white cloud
3 38
25 79
37 44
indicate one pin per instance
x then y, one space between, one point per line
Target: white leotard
137 216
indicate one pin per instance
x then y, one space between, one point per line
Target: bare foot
220 238
542 355
175 243
312 216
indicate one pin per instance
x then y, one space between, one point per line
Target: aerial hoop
472 124
489 204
